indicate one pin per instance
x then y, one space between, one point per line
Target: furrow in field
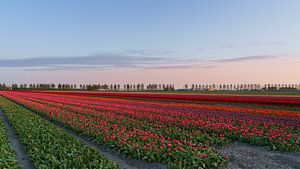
8 156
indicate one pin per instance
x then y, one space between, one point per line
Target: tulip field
177 130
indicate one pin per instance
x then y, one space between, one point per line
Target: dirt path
245 156
21 154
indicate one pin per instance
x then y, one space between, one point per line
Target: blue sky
139 35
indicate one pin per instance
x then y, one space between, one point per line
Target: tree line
148 87
89 87
242 87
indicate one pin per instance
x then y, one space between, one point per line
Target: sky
150 41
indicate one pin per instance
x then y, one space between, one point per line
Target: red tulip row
170 133
187 119
191 97
256 110
173 109
171 145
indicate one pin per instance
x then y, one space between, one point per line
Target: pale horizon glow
178 42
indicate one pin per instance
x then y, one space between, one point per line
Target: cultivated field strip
166 110
162 114
181 135
189 97
48 146
133 138
19 149
8 157
113 155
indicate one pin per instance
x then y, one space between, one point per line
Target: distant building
8 88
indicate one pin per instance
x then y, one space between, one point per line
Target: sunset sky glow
150 41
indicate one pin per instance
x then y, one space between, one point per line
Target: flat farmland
168 130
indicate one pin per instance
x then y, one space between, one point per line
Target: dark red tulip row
191 97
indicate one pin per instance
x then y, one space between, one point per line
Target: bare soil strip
246 156
123 162
21 153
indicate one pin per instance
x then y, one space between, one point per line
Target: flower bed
48 146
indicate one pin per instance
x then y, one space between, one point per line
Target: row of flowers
290 117
172 145
176 134
192 97
48 146
213 120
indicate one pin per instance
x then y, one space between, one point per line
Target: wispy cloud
243 45
246 58
100 61
112 61
144 52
